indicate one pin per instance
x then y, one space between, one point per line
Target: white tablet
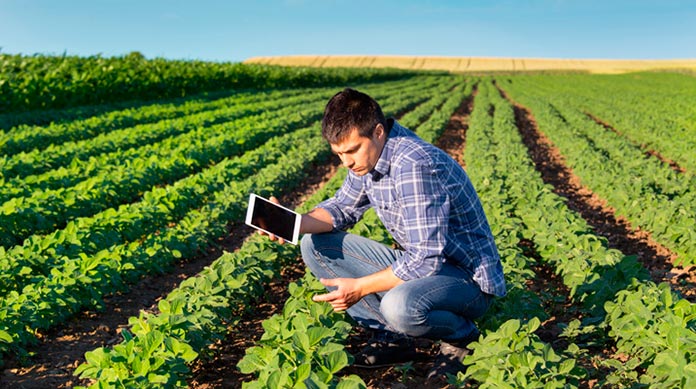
274 219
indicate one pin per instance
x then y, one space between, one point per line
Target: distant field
476 64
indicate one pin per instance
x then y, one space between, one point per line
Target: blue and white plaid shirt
428 204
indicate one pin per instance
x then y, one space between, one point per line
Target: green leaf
151 342
351 382
336 361
5 336
302 340
303 371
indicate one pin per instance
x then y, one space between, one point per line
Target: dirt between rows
61 350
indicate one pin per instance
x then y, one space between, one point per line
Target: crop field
126 264
477 64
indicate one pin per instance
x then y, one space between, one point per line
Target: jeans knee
398 313
307 247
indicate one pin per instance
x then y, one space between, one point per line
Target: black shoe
381 352
449 361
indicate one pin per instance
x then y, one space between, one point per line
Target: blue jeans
440 306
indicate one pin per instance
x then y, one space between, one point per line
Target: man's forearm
316 221
380 281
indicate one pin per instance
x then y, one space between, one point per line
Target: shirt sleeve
426 208
348 204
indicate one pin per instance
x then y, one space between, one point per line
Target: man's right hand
272 236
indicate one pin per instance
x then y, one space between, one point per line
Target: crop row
24 138
161 205
45 211
115 226
23 265
511 354
82 159
41 160
81 280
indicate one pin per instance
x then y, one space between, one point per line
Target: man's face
360 154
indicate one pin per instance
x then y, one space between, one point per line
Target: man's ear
379 131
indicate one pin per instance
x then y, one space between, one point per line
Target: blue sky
236 30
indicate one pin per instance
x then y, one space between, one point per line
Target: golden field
477 64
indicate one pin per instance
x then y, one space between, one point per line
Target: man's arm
316 221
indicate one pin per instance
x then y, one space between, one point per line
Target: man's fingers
328 281
326 296
274 200
339 305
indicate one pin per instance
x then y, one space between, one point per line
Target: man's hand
272 236
347 294
350 290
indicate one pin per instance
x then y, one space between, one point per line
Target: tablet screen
273 218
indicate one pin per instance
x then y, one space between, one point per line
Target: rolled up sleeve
349 203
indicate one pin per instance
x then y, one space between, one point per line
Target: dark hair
350 109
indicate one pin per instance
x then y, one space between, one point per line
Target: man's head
348 110
355 127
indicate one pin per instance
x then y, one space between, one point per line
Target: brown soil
453 139
656 258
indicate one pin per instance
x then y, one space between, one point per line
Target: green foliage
521 208
41 81
302 346
657 331
513 357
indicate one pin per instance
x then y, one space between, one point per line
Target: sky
232 31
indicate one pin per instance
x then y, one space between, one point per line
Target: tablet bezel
250 213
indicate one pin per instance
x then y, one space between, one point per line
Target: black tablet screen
272 218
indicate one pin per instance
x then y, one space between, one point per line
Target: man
449 269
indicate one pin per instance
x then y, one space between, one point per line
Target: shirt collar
384 162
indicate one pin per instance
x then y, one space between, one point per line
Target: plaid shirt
428 204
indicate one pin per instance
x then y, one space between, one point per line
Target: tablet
272 218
